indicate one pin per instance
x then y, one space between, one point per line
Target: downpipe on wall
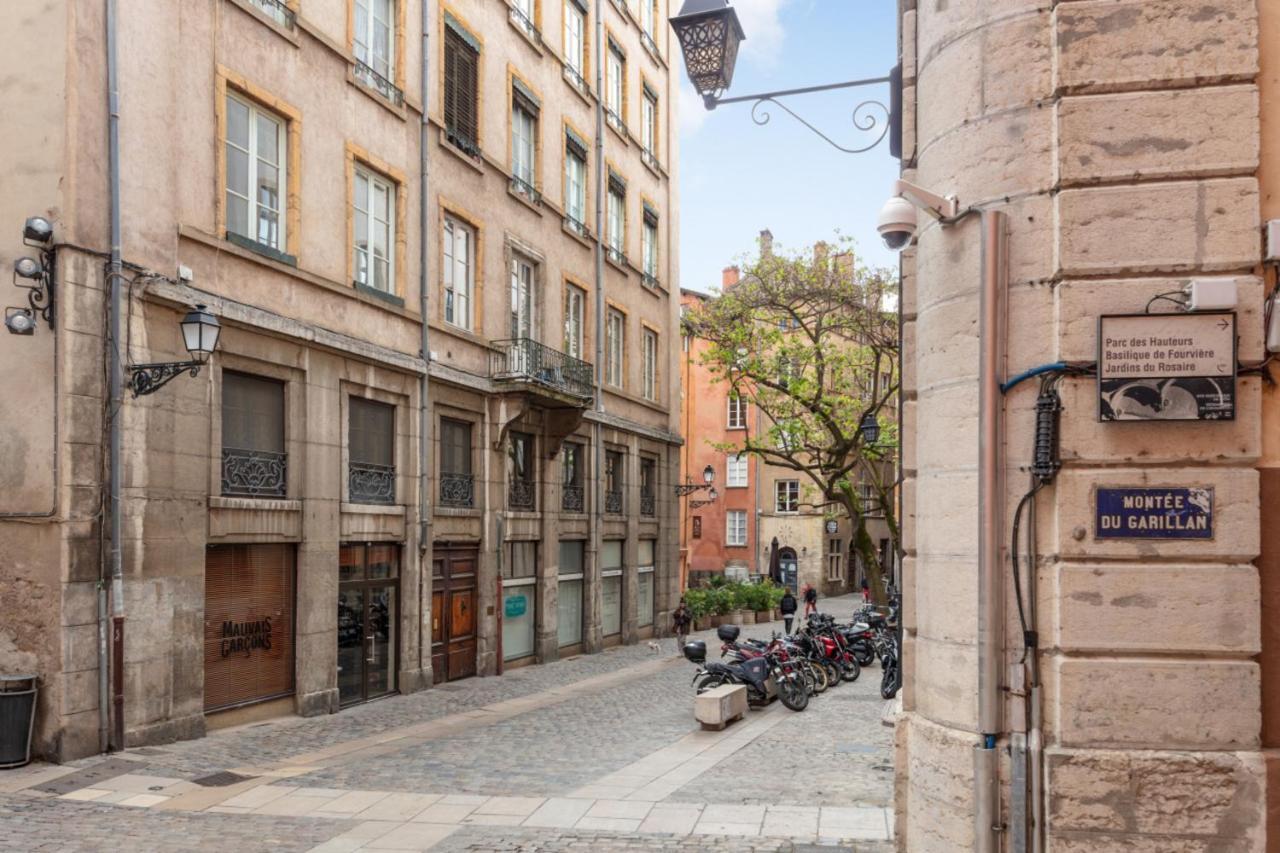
425 616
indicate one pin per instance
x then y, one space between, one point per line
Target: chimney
766 243
729 277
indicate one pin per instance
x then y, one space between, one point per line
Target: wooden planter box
763 616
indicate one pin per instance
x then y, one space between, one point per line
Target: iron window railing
526 189
278 11
651 281
384 87
521 494
618 256
462 142
579 228
521 20
649 159
648 42
527 360
615 121
371 484
613 502
254 473
573 499
575 79
648 504
458 490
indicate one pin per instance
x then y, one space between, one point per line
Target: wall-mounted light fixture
689 487
200 331
35 275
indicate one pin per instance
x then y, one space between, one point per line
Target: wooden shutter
468 71
248 624
452 47
371 434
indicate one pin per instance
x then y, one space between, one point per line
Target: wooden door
454 602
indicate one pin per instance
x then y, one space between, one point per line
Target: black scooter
762 676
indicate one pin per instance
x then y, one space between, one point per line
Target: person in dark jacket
810 600
788 608
680 623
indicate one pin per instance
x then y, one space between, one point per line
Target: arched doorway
789 567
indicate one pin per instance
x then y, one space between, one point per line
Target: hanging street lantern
709 34
200 330
869 429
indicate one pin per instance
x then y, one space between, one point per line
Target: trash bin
17 718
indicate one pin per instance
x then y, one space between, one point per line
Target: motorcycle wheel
793 695
888 679
849 669
864 654
710 681
833 672
819 676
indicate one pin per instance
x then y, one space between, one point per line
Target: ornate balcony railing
576 226
462 142
617 256
458 490
650 281
576 80
522 494
526 359
521 20
648 504
573 499
253 473
375 81
278 11
523 188
613 502
371 484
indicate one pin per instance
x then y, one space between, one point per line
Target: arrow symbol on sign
1222 370
1222 324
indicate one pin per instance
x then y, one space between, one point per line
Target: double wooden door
454 617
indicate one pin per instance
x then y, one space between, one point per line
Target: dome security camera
897 222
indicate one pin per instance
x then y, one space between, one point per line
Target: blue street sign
1154 513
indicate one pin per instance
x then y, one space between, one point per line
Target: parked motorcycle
763 676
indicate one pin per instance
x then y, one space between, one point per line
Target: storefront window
569 594
644 583
611 586
519 576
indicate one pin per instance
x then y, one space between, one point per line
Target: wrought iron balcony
576 80
371 484
458 490
521 20
522 494
618 256
648 504
463 142
375 81
523 188
576 226
573 499
613 502
253 473
526 360
278 11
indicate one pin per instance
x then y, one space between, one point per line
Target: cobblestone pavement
598 752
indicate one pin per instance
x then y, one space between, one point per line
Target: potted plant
775 600
721 601
696 601
762 601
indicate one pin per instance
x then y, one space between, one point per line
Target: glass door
368 614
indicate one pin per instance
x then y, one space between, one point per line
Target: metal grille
618 257
613 503
521 494
384 87
371 484
573 499
458 490
526 189
526 359
615 121
575 78
648 504
522 21
579 228
277 11
650 281
253 473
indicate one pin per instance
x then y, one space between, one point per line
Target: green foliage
717 581
696 600
720 600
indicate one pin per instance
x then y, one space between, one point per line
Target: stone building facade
1122 140
288 546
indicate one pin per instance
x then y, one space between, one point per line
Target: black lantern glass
709 33
708 475
870 429
200 333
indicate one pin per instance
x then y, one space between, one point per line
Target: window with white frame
736 470
522 12
575 182
575 39
650 365
786 496
737 412
835 559
373 202
648 12
649 245
524 135
617 218
644 582
735 532
649 124
459 272
374 39
615 333
575 307
615 85
256 161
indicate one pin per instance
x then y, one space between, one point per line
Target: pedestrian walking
810 599
680 621
788 608
866 591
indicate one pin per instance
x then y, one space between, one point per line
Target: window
253 454
575 182
522 292
374 41
615 333
569 595
649 247
786 496
617 219
697 527
461 87
457 485
575 42
572 460
649 126
611 586
870 500
373 202
644 582
615 86
736 473
256 157
575 306
735 534
522 12
519 599
521 488
835 554
524 142
648 487
371 472
458 267
737 412
648 11
650 365
613 481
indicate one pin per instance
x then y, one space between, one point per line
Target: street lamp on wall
200 330
36 277
869 429
689 487
711 498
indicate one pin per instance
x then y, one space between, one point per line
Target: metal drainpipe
116 436
990 530
424 407
598 432
1035 736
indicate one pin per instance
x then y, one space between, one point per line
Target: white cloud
763 25
692 114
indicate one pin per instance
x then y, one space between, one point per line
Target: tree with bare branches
811 341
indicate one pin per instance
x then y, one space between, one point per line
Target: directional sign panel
1167 367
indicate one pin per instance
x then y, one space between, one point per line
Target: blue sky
737 178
